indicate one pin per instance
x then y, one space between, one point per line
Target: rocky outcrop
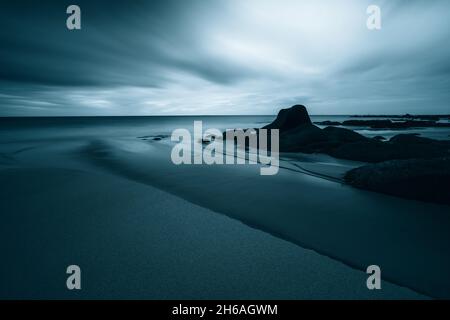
291 118
387 124
298 134
407 165
418 179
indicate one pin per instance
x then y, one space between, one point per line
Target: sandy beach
135 241
141 227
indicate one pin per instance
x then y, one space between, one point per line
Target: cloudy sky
176 57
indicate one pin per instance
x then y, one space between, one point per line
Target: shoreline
309 212
161 247
372 245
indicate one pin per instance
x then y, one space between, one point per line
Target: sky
220 57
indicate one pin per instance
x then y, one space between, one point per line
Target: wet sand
143 227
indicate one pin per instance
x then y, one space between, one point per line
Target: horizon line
225 115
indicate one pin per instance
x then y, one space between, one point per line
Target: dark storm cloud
121 43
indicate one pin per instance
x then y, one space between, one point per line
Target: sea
31 128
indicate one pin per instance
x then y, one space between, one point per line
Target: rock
343 135
409 138
367 123
291 118
398 148
298 134
328 123
405 116
388 124
407 165
418 179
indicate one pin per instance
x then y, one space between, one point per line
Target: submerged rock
328 123
389 124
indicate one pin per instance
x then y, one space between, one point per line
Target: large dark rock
298 134
343 135
407 165
418 179
411 138
290 118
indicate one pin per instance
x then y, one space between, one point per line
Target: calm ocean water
13 129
